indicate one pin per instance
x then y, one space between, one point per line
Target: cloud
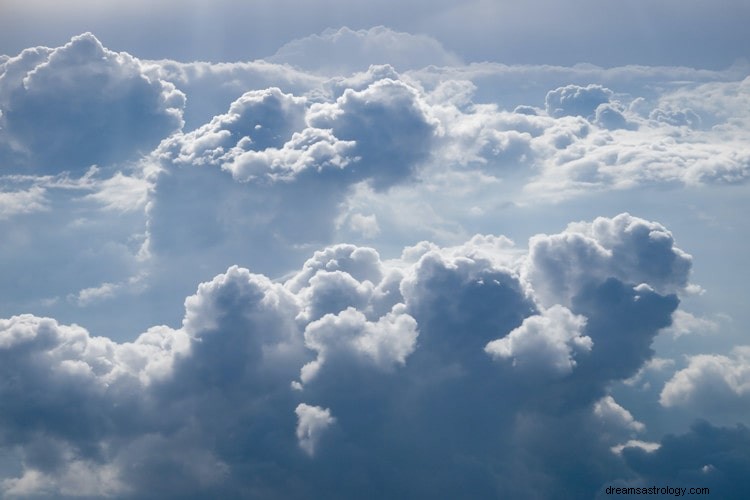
615 416
345 51
389 122
574 100
212 87
262 183
712 385
624 247
707 456
454 367
684 323
551 339
81 104
350 364
627 127
22 202
312 421
366 225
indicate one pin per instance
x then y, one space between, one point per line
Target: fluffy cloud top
623 247
350 362
574 100
713 385
81 104
551 339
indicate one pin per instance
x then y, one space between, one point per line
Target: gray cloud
574 100
707 457
351 365
80 104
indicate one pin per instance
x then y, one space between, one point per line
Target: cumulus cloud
624 247
446 371
212 87
707 456
551 339
574 100
312 421
81 104
592 138
615 416
712 385
263 183
345 50
350 364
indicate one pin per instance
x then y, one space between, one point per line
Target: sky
335 249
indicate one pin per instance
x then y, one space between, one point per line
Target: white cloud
312 422
615 416
624 247
574 100
345 51
685 323
712 385
22 202
646 446
550 340
366 225
385 343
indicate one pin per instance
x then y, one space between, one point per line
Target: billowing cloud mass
714 385
81 104
341 218
279 388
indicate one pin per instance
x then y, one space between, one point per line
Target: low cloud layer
270 388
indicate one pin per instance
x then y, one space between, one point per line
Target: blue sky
397 249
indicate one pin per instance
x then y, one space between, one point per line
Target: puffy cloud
312 421
345 50
598 138
390 354
390 124
385 343
212 87
81 104
262 183
624 247
550 340
684 323
354 363
614 416
682 117
712 385
574 100
611 117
